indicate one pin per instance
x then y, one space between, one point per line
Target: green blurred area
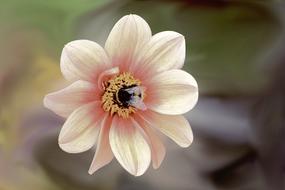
53 19
229 50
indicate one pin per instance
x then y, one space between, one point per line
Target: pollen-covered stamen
123 95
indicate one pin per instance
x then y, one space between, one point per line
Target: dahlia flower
123 94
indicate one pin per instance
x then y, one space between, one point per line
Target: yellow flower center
123 95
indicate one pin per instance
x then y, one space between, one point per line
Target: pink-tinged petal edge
157 147
129 145
176 127
80 131
103 155
66 100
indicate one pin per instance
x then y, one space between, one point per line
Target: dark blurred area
235 50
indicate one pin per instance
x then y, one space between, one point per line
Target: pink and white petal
80 130
128 35
82 143
157 147
175 92
129 145
65 101
165 51
103 155
82 59
175 127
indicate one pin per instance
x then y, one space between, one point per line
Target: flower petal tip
91 171
47 102
156 165
62 147
187 143
76 42
62 140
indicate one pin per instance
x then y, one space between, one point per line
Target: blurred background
235 50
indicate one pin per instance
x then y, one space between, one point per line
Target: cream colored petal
165 51
80 130
65 101
128 35
129 146
103 154
81 59
175 127
157 148
176 92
